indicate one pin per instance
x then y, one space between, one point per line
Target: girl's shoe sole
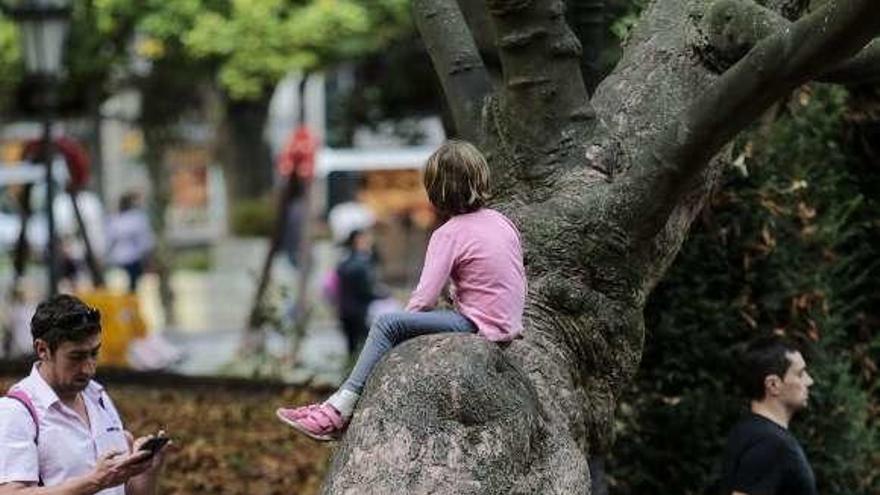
299 428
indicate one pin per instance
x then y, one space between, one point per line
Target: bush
787 246
196 259
253 217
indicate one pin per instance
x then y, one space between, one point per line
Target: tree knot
565 293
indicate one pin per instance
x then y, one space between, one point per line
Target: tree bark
96 145
477 17
603 190
733 27
464 78
167 93
157 138
246 158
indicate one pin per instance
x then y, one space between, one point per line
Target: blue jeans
394 328
134 270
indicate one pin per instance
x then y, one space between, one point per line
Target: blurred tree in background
789 245
176 51
10 60
202 61
395 86
254 44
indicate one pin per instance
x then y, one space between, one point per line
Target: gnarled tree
603 188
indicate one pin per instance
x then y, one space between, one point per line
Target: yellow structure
121 322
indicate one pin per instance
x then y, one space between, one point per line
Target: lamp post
43 26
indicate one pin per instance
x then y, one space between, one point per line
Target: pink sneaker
319 421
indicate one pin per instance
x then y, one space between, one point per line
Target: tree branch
476 14
790 9
733 27
456 61
861 69
540 57
775 66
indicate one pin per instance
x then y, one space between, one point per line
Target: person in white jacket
130 238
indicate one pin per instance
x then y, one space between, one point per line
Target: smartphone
154 444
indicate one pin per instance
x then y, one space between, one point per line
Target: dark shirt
763 458
357 284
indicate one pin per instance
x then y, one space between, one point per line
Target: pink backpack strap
25 399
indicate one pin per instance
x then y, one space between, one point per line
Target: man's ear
41 349
772 384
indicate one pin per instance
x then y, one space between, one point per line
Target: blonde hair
457 178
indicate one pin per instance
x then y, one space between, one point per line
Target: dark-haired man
59 431
762 457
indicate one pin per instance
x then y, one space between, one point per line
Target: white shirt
129 237
67 447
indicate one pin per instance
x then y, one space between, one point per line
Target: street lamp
43 25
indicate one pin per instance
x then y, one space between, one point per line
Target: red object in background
298 156
75 156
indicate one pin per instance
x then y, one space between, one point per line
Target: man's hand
157 459
115 468
146 482
112 469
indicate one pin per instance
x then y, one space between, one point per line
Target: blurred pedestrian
70 260
130 238
358 287
348 216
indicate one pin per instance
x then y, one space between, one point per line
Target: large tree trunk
166 97
246 158
603 190
95 143
157 139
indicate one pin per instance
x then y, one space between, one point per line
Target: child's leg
388 331
392 329
327 420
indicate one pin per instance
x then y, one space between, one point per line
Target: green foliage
256 42
626 16
787 245
253 217
94 45
10 55
246 45
196 259
10 60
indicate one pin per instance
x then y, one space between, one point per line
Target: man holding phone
60 433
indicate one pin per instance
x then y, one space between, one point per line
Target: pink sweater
480 252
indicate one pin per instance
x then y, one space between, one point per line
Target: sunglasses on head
90 317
